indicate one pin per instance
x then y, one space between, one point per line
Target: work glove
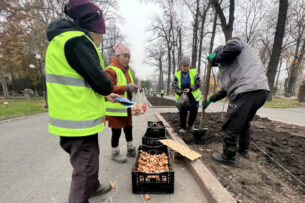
131 88
206 104
211 57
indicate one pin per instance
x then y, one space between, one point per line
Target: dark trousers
116 134
192 117
84 158
237 125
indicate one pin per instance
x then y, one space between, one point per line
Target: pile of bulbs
156 163
138 109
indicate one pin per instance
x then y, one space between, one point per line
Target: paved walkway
35 169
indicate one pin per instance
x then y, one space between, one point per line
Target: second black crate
155 129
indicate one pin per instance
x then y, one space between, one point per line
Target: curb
12 119
211 187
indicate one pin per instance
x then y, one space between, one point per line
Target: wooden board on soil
259 179
158 101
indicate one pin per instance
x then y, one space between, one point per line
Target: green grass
21 107
283 103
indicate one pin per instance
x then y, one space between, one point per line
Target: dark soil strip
158 101
259 178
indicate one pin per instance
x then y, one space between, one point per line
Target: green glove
211 57
206 104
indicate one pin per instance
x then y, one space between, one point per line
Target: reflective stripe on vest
117 109
192 73
75 109
65 80
76 124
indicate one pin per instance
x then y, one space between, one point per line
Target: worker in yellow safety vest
187 81
162 93
77 86
120 117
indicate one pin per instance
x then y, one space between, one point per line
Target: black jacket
81 56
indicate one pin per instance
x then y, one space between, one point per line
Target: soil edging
208 183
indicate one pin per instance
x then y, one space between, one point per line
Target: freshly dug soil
259 179
158 101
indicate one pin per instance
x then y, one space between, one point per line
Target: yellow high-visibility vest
116 109
75 109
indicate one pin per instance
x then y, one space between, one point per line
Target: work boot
244 153
182 130
115 156
222 159
131 151
101 190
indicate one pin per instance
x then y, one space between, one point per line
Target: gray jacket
245 73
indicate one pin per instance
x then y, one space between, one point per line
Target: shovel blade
199 134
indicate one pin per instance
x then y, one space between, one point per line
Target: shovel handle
205 93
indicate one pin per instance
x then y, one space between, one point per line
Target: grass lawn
283 103
21 106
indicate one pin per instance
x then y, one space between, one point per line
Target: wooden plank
183 150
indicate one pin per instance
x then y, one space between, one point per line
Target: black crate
149 141
160 182
155 129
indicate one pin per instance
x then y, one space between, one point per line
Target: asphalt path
35 169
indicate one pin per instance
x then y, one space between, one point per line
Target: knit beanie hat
120 49
87 15
184 61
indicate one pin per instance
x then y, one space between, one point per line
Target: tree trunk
174 60
277 45
226 28
278 76
294 71
211 47
179 45
169 70
195 36
4 85
203 16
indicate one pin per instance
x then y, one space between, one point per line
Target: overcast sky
137 20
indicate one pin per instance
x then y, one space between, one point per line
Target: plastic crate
155 129
149 141
153 183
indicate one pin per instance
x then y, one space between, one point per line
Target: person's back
244 73
244 82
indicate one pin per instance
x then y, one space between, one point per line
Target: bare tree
296 29
163 28
227 28
202 33
112 37
155 56
211 49
277 45
252 13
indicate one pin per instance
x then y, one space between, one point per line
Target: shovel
198 134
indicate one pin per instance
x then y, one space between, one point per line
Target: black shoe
101 190
221 159
244 154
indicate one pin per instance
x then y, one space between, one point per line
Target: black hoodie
81 56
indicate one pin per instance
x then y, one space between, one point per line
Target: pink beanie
120 49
